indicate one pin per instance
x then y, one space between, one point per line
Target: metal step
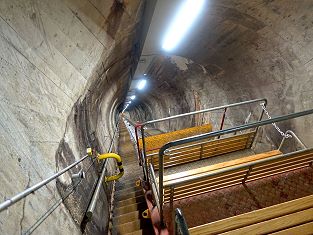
138 232
130 208
126 218
128 195
129 201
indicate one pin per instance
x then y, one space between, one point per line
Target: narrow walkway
129 200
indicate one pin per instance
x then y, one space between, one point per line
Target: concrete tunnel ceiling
236 50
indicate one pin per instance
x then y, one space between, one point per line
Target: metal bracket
76 178
146 214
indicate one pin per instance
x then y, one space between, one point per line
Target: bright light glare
133 97
182 22
141 84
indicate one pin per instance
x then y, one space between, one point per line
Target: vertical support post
260 118
247 175
172 209
144 151
223 120
137 142
161 193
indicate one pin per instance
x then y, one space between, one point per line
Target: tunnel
70 71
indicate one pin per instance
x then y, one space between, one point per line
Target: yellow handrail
119 164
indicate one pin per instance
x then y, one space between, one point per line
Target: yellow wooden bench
154 143
204 149
195 151
293 217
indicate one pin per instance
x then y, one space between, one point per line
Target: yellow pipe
119 164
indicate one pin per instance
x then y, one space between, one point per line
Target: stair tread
125 187
125 218
127 190
128 195
137 232
127 227
129 208
129 201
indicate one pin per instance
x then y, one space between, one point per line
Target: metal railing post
161 169
96 193
223 119
222 122
137 142
144 149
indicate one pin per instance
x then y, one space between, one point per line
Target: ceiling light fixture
182 22
133 97
142 84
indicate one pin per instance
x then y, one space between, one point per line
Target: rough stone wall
65 68
248 49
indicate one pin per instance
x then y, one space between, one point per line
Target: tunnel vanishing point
156 117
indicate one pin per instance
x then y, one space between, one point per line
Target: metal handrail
295 136
95 196
264 100
9 202
213 134
180 223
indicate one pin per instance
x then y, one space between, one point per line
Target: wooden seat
205 179
200 150
293 217
154 143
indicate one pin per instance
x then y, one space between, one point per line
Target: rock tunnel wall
65 69
239 50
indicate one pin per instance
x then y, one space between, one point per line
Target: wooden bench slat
253 217
190 158
279 171
207 189
179 177
276 224
196 155
212 179
209 185
304 229
285 164
199 193
210 149
281 161
222 141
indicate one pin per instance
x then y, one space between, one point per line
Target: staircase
129 201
